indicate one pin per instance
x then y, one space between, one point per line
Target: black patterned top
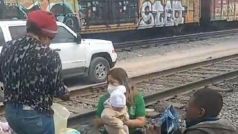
31 74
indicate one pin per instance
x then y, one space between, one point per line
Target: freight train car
97 16
122 15
106 16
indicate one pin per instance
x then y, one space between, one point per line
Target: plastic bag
5 128
61 115
69 131
169 121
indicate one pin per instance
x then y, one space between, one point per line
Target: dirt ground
144 64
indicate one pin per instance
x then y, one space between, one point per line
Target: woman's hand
66 96
138 122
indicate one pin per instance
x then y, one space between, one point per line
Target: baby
115 112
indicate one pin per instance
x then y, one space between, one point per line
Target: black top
31 74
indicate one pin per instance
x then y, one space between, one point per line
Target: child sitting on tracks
115 113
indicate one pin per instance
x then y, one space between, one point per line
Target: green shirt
135 111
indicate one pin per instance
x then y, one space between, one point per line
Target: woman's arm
100 107
136 123
140 119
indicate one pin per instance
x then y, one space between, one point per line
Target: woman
135 101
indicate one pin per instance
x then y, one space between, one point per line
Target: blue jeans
28 121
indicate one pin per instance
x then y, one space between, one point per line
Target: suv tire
98 70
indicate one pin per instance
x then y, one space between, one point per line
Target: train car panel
160 13
192 11
231 10
236 10
224 10
109 28
216 15
108 15
197 11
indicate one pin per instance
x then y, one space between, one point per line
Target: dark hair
121 76
31 27
210 100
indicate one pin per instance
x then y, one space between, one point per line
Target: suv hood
96 41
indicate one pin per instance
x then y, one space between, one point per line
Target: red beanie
45 21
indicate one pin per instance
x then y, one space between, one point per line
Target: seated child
115 113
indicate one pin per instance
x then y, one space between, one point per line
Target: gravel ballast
161 50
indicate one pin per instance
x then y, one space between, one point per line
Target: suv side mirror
78 39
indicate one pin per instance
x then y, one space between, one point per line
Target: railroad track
129 45
154 86
157 85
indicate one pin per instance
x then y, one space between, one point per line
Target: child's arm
108 117
125 116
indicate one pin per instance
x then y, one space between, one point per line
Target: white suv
88 57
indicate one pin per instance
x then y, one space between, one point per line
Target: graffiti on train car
64 10
157 14
225 10
106 12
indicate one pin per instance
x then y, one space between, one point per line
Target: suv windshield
63 36
17 31
2 41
